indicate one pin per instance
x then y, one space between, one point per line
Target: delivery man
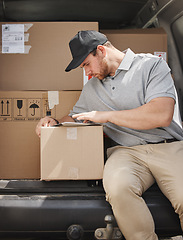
133 95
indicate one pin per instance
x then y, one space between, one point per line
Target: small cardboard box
72 153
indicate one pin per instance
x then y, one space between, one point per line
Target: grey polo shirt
139 79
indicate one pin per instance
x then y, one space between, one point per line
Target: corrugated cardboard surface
43 67
139 40
19 145
72 153
19 151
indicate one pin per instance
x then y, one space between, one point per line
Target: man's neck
115 60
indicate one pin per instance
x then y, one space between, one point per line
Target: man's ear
102 49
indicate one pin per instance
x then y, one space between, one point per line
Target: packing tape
27 26
26 37
53 98
27 49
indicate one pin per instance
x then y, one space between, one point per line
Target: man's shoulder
147 56
148 59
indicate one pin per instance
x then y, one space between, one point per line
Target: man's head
96 64
82 44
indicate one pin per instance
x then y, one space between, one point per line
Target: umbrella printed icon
34 106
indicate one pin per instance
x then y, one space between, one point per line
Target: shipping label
13 38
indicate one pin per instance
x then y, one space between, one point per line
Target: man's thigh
166 166
127 165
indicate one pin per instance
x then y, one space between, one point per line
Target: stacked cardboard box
150 40
33 58
20 112
41 66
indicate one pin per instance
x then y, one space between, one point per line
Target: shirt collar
125 64
127 60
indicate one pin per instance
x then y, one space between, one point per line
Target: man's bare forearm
157 113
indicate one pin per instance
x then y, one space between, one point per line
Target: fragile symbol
34 106
19 105
5 108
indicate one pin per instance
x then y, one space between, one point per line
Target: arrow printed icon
5 109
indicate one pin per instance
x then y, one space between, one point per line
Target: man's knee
121 185
178 203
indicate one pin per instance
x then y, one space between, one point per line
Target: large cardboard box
72 153
33 56
19 114
150 40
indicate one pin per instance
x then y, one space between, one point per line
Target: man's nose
87 72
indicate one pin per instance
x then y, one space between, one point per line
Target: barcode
5 49
18 38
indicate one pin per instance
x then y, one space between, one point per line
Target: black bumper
41 207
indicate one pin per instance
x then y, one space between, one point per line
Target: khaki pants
130 171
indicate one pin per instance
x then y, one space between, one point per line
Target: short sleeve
160 82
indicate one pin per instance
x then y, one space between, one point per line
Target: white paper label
72 133
13 38
73 173
53 98
161 54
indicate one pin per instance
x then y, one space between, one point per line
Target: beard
104 70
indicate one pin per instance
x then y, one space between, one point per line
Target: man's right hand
44 122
